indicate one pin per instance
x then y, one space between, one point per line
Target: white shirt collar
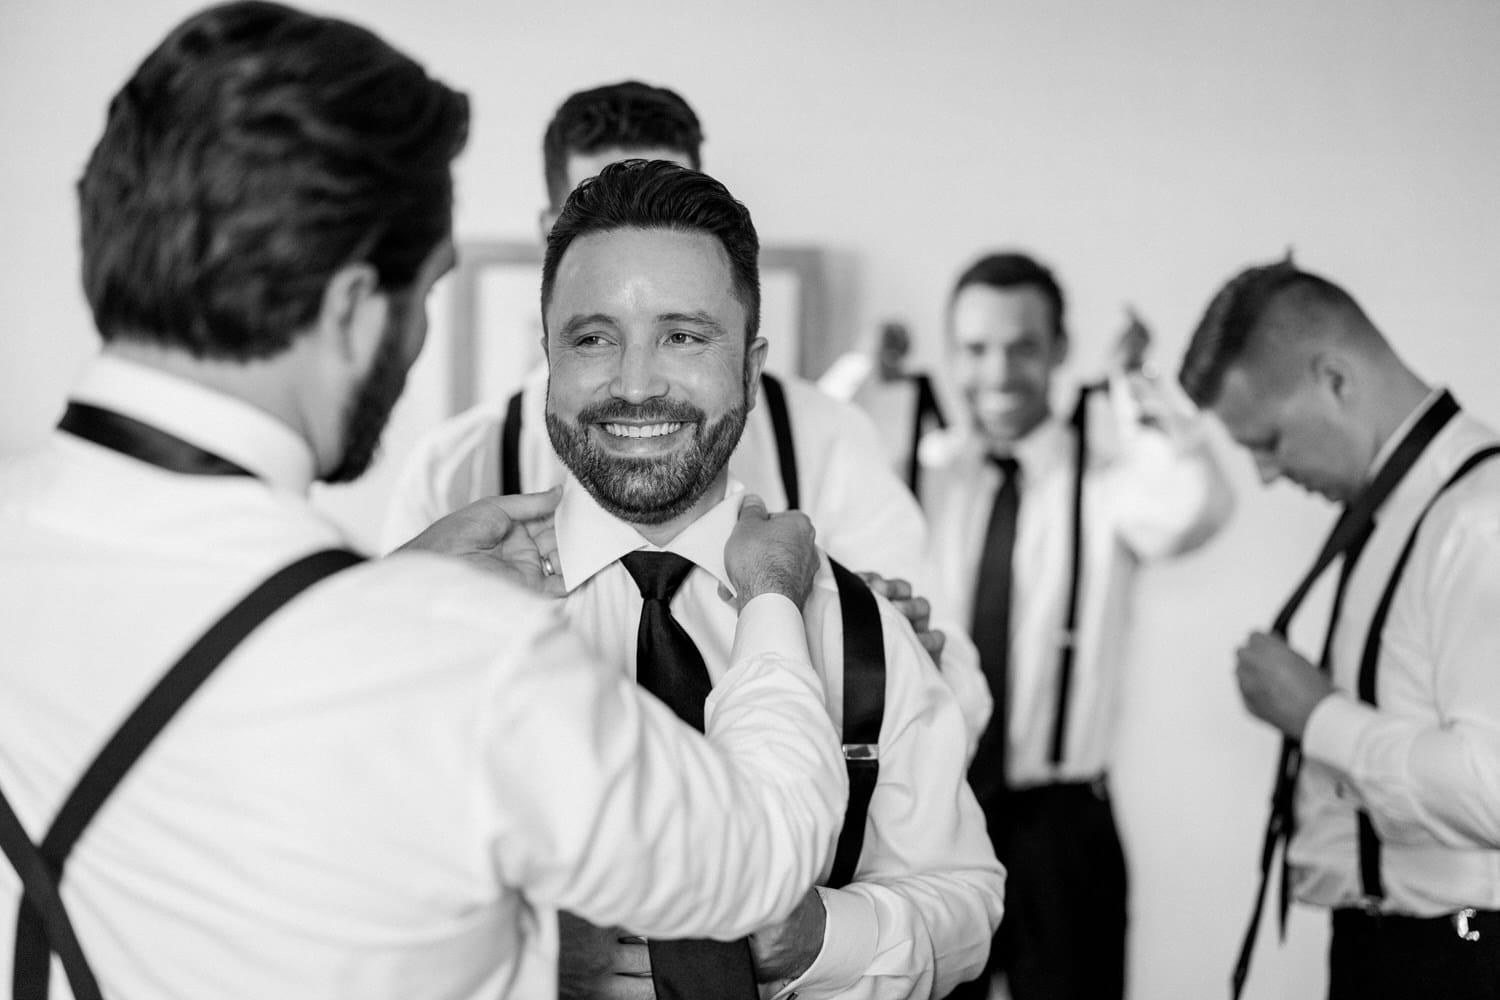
230 428
589 538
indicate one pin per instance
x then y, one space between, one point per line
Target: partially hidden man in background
1040 524
376 786
651 300
1387 800
800 449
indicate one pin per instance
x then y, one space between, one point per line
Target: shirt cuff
850 936
770 625
1334 729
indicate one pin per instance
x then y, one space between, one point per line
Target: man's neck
1397 401
660 534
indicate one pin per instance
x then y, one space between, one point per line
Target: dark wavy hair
659 194
1016 270
256 151
626 115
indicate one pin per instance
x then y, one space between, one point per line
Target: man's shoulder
465 433
805 401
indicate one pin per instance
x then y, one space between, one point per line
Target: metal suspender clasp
1461 924
861 751
1066 638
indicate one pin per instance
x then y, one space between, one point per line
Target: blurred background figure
902 403
1039 525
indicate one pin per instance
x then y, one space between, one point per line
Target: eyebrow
702 319
574 322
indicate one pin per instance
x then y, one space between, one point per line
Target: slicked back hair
627 115
256 151
659 194
1011 270
1231 327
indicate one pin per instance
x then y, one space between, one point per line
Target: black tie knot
657 574
1007 464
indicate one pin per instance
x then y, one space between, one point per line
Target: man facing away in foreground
381 780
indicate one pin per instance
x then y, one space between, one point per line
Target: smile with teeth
641 430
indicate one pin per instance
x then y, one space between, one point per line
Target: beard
647 490
369 411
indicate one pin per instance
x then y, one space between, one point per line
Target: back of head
256 151
1010 270
658 194
628 115
1264 317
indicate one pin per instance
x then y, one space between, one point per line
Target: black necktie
991 632
1347 539
669 665
139 440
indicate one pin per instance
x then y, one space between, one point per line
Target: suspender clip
861 751
1067 639
1461 924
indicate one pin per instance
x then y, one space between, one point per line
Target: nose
990 368
639 376
1267 468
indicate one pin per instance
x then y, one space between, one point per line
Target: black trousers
1375 957
1063 935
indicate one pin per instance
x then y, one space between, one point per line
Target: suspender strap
40 900
33 940
510 447
1069 645
1369 842
864 711
786 451
927 408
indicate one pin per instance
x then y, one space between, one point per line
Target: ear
1334 375
353 315
755 363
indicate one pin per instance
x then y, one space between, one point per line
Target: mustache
651 411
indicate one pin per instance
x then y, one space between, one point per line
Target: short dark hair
659 194
628 115
1012 269
256 151
1227 333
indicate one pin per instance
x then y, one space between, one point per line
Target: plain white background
1148 149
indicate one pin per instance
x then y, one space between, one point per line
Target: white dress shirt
928 891
1425 760
864 515
1146 494
372 793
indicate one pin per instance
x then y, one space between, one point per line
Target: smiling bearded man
651 301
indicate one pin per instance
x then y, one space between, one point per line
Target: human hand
916 609
770 554
783 951
601 963
509 536
1278 684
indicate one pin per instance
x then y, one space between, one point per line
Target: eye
683 337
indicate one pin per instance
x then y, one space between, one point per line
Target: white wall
1148 149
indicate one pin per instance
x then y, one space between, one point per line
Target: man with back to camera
368 796
1388 796
650 293
1043 560
800 449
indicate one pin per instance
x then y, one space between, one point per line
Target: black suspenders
864 711
1069 642
1369 842
781 424
42 925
